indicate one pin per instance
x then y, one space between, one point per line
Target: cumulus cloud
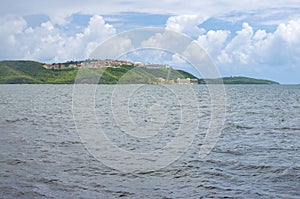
187 24
168 40
9 33
283 46
213 41
82 44
254 48
113 48
240 47
47 42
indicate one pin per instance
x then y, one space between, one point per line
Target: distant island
105 72
236 80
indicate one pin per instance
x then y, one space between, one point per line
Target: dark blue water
256 156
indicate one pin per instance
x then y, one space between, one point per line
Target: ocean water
257 154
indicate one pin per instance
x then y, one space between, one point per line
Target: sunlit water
257 155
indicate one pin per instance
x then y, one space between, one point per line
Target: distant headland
106 71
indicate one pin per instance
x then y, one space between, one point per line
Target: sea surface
257 154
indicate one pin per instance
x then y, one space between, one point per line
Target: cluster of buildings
88 64
54 66
105 63
115 64
99 64
177 81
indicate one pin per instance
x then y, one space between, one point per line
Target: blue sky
250 38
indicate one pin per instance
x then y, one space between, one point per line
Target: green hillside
236 80
30 72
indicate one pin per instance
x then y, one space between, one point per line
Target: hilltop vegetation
236 80
30 72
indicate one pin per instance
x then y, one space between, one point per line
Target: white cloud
167 40
187 24
282 46
49 43
9 33
213 42
183 50
241 46
112 48
260 35
255 48
95 33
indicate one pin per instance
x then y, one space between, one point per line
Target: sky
254 38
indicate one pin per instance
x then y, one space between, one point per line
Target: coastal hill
236 80
106 72
30 72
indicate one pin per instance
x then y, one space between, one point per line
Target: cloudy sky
256 38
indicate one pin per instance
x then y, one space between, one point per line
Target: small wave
232 152
49 181
254 167
17 120
287 129
15 162
237 126
243 127
120 193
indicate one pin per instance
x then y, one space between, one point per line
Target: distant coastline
110 71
